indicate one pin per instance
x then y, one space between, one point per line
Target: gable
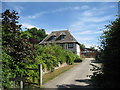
59 37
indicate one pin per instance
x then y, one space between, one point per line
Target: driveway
76 77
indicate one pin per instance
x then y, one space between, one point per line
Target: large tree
111 57
17 51
34 35
110 50
13 43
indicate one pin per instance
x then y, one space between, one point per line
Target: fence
23 79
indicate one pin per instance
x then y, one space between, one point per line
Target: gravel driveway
76 77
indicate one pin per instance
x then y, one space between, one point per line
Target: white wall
78 49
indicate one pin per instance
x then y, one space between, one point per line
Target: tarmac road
76 77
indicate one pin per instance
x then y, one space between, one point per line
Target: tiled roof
54 37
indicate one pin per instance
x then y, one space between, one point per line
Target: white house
64 39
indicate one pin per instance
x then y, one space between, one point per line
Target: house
64 39
89 52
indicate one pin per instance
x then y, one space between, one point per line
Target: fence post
40 74
21 84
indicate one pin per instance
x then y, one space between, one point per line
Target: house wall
71 49
75 49
78 49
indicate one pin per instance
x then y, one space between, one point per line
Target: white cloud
112 6
85 32
57 10
27 25
18 8
96 19
88 32
84 7
99 32
87 13
80 38
37 15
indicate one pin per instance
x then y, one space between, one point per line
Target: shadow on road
95 61
86 81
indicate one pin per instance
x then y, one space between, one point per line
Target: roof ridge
60 31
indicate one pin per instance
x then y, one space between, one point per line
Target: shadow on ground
86 81
95 61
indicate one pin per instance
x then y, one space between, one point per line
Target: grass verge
57 72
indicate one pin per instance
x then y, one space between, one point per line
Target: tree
92 48
110 49
13 44
15 47
34 35
82 46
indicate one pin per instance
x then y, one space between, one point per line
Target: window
61 37
51 38
70 45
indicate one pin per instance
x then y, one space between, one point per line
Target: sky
84 20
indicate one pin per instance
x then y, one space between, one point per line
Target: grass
55 73
52 75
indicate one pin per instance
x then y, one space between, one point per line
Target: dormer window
51 38
62 36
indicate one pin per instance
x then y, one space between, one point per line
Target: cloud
99 32
88 32
57 10
85 32
84 7
18 8
96 19
27 25
87 13
89 19
85 38
37 15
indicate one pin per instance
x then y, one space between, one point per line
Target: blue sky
83 19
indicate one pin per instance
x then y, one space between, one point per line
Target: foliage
97 76
35 33
19 49
19 53
6 70
25 34
13 44
50 56
54 54
82 46
110 49
78 59
92 48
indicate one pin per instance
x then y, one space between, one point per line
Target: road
76 77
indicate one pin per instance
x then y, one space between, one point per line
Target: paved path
76 77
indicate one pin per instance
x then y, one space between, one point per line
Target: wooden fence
23 79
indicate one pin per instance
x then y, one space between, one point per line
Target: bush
78 60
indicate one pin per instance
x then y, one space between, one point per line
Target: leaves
20 51
109 55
